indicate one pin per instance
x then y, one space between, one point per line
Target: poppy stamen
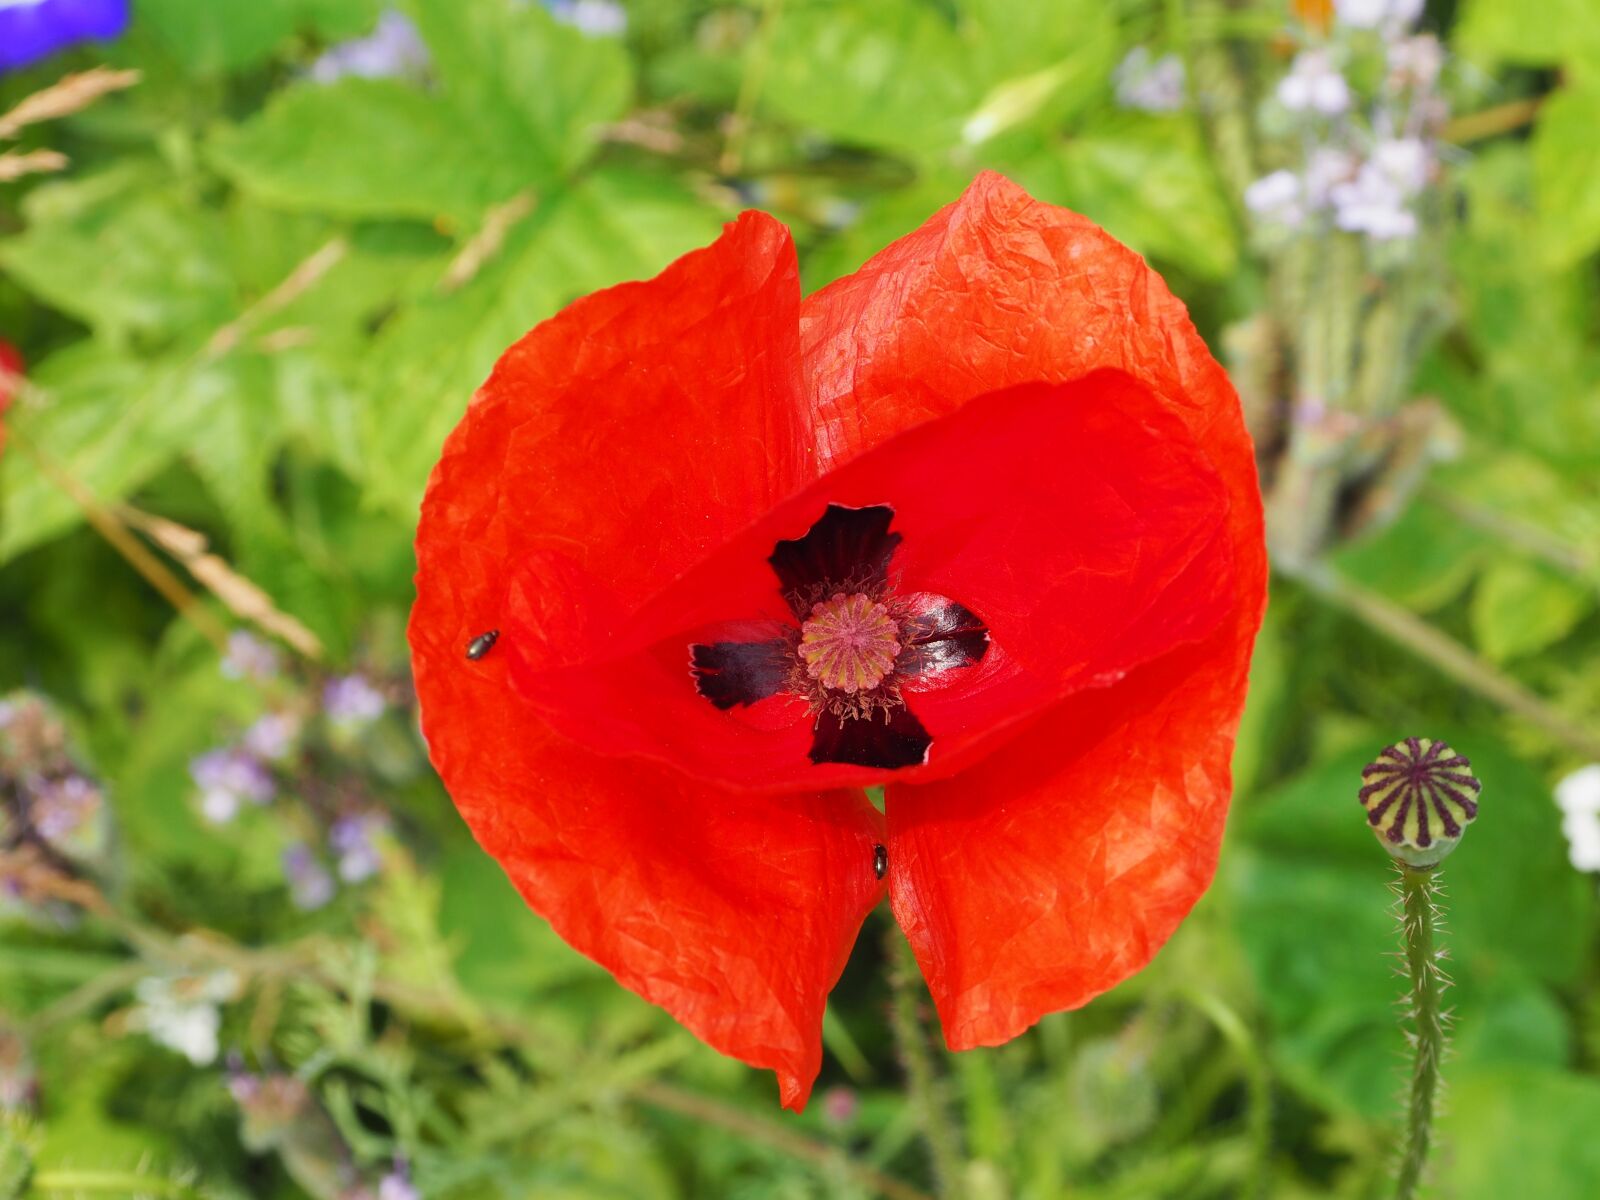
849 643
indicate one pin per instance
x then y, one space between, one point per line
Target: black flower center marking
855 644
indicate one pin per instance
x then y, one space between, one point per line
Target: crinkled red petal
617 444
1056 867
1080 522
10 365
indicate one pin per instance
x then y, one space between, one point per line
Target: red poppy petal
620 442
10 365
624 439
1079 522
1057 867
1060 865
733 911
994 290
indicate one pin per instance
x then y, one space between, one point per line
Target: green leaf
365 148
1566 30
111 422
899 75
1566 158
889 73
1521 1132
1519 607
1423 560
612 226
526 88
126 258
210 38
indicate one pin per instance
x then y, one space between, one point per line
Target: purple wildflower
355 841
228 778
272 737
60 807
393 49
397 1185
31 30
597 18
840 1105
351 700
249 657
310 885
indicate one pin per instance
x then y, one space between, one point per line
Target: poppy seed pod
1420 796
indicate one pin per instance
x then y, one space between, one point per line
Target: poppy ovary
849 642
1420 795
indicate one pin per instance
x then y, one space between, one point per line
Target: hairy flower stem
1418 923
923 1082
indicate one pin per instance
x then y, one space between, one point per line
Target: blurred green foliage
258 300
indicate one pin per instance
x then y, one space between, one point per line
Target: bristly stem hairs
1420 796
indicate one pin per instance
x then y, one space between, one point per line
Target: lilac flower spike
31 30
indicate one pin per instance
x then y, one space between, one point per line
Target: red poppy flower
10 365
978 523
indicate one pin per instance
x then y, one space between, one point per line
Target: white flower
1578 795
1326 169
182 1013
1416 61
1405 161
1151 84
1374 204
1370 14
1314 84
1580 791
1277 199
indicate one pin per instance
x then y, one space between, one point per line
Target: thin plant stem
923 1082
111 1183
1420 914
116 535
1444 652
770 1133
1258 1084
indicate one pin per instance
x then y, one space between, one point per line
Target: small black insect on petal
880 860
482 644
